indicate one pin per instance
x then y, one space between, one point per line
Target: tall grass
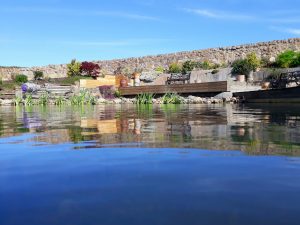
18 101
145 98
59 101
28 100
171 98
44 99
84 97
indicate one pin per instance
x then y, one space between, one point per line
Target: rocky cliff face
216 55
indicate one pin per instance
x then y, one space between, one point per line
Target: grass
28 100
145 98
171 98
44 99
18 101
60 101
84 97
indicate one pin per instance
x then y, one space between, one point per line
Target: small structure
178 77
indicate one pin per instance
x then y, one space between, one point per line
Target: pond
175 164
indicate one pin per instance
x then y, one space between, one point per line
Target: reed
145 98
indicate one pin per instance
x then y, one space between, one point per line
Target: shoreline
117 101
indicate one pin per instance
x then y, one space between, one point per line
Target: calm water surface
150 165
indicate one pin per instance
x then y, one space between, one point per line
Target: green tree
73 68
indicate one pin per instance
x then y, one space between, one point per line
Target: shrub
73 68
188 66
296 61
253 61
118 94
206 65
245 66
241 66
90 69
21 79
198 65
38 75
287 59
175 68
159 69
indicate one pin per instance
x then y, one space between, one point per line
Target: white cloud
268 17
294 31
74 12
216 14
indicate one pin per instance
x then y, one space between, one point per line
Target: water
150 165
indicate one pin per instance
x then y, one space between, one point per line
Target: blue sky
42 32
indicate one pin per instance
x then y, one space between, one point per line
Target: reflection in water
255 129
101 182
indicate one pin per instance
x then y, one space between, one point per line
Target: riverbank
100 101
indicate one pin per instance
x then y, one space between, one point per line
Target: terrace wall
216 55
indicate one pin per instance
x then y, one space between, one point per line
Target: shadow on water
253 128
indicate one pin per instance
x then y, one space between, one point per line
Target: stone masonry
148 63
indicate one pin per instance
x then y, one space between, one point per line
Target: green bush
188 66
287 59
73 68
253 61
21 79
198 65
241 67
245 66
175 68
117 94
296 61
160 69
38 75
206 65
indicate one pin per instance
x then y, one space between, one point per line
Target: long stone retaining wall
215 55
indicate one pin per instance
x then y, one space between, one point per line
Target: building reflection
255 129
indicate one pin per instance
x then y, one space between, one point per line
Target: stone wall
51 71
215 55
